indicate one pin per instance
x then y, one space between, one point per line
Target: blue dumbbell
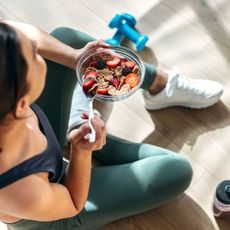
125 24
118 36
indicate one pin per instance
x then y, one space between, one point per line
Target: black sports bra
50 160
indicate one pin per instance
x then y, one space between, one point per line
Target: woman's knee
176 172
184 171
60 31
72 37
167 175
161 178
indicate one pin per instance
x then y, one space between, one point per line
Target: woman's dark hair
13 68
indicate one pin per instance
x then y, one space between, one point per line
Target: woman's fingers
103 44
76 135
97 44
108 52
103 47
100 129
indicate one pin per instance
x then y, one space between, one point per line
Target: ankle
159 82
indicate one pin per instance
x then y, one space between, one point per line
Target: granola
115 75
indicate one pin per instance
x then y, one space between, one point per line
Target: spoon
90 86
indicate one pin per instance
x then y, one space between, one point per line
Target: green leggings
134 178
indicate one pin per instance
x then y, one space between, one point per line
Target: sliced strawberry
88 84
90 74
114 62
124 59
130 64
115 82
132 80
103 91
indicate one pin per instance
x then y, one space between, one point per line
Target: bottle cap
223 192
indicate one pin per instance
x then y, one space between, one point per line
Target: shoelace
179 81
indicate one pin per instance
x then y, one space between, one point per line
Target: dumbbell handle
128 31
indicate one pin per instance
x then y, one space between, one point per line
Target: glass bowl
87 57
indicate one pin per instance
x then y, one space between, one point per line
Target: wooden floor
193 34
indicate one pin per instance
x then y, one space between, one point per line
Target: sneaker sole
191 106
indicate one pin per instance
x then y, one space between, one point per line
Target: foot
183 91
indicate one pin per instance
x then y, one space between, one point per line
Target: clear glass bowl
87 57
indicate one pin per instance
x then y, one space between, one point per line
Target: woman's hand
95 44
78 136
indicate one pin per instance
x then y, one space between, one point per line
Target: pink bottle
221 201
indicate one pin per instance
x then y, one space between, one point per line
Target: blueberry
101 64
126 71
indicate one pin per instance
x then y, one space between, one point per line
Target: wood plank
210 16
47 15
187 214
193 34
141 221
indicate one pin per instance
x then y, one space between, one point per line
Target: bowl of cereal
118 71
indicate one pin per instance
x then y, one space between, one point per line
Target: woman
37 189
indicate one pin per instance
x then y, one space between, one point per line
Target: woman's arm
51 48
48 46
34 198
79 168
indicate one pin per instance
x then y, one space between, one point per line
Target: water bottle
221 201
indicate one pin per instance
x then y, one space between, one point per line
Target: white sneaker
183 91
